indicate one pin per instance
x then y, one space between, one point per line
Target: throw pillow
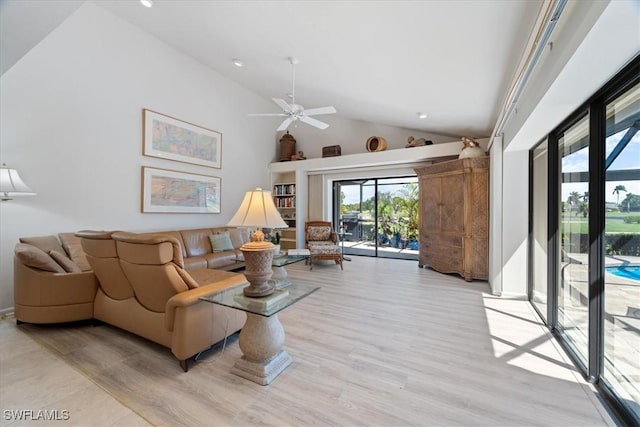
64 261
32 256
73 246
221 242
45 243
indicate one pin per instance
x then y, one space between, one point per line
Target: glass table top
283 296
283 258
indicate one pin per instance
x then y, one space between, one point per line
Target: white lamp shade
257 210
12 185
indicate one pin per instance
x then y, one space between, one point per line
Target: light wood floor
383 343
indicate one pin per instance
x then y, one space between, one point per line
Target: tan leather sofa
145 290
44 292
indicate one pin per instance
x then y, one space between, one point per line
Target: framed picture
170 191
169 138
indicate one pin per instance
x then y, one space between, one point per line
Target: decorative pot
287 147
376 143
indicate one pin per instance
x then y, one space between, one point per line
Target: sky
628 159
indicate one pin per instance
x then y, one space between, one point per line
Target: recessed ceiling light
237 62
422 115
147 3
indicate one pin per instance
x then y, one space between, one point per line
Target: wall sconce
11 185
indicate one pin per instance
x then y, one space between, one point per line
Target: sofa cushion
221 242
239 236
45 243
73 247
196 242
32 256
64 261
195 262
220 259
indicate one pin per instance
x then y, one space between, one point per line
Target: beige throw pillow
45 243
73 247
64 261
34 257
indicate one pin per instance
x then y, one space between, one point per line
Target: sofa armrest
192 296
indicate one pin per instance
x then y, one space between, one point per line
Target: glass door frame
377 183
595 107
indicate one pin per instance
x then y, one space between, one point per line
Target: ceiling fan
294 112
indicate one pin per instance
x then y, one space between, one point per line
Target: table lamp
258 210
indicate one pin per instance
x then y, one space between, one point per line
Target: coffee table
262 336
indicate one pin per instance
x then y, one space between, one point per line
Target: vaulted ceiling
376 61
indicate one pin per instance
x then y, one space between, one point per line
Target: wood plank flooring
383 343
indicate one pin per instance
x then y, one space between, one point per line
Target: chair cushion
318 232
35 257
64 261
221 242
323 249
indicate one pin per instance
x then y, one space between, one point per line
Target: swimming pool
631 272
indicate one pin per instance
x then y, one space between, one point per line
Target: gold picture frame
169 191
169 138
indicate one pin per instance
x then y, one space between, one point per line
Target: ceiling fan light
422 115
147 3
237 62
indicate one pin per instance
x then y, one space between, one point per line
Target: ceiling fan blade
285 124
267 114
314 122
282 104
318 111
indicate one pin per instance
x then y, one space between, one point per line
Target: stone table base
261 341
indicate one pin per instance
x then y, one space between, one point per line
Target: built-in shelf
284 197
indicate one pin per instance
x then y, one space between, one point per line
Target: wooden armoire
454 217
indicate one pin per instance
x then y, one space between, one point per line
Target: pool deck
622 318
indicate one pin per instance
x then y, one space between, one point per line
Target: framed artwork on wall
168 191
170 138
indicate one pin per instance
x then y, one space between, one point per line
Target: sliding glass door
379 216
622 248
591 249
573 259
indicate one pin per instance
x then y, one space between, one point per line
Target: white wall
71 123
352 136
593 41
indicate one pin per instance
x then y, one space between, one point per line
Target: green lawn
614 223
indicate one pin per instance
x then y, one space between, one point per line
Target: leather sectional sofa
146 283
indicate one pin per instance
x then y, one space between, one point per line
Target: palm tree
573 200
617 191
